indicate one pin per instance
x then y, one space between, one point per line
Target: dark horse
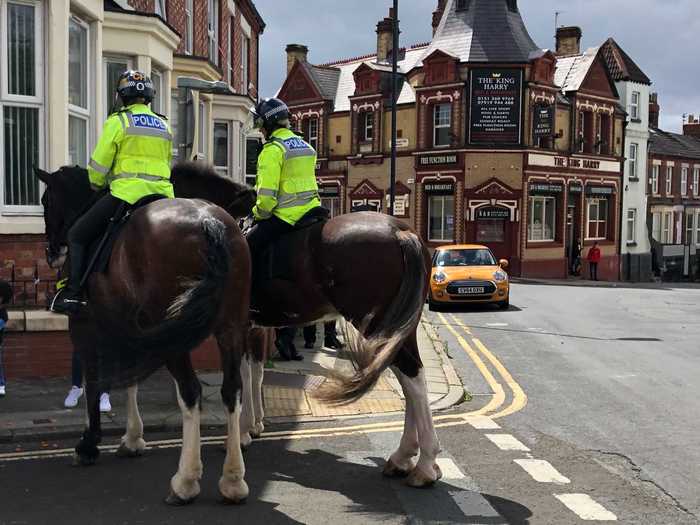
370 269
178 272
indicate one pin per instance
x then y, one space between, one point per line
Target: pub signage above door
599 190
493 212
438 160
575 163
445 188
329 191
545 187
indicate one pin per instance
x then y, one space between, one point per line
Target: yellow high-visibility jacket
133 155
286 181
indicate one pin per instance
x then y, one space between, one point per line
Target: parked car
468 273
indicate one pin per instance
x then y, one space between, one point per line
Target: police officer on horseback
286 186
132 159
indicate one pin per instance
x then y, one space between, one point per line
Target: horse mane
76 181
198 170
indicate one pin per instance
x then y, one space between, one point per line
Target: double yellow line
494 408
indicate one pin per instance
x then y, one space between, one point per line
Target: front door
495 233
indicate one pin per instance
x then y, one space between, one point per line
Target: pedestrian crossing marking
542 471
449 469
507 442
586 507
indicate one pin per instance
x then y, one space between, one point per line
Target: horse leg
184 485
401 463
232 343
258 372
411 375
132 444
247 419
86 451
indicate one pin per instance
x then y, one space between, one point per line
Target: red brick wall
26 253
145 6
48 354
176 18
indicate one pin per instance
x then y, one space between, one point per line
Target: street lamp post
394 97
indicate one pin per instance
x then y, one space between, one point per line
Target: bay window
21 104
78 91
442 124
597 227
222 147
541 225
114 67
441 218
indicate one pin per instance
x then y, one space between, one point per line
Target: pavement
577 281
33 409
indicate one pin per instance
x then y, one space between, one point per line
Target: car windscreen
468 257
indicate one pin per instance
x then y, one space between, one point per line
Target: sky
661 36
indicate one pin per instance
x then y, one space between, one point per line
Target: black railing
35 291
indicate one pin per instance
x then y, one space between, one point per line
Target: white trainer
2 390
73 396
105 405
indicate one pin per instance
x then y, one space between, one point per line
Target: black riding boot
69 300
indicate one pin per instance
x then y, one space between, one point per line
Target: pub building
500 142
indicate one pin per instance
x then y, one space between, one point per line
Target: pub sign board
493 212
439 188
543 121
496 106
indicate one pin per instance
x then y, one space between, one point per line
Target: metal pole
394 97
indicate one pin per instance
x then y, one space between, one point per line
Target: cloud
659 35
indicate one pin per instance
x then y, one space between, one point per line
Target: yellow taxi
468 273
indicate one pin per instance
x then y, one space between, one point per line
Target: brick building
674 198
62 59
500 142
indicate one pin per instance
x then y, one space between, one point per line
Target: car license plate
472 290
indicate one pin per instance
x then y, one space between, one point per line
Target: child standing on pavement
593 260
5 297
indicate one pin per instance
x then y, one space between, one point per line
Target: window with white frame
597 227
656 226
113 68
689 227
667 228
367 119
441 218
634 151
160 9
21 103
229 50
252 151
213 30
78 92
669 180
631 225
684 181
442 124
696 181
634 106
222 147
655 180
245 63
189 26
697 227
158 101
332 204
310 130
541 225
203 127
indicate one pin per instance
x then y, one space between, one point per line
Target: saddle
277 259
100 251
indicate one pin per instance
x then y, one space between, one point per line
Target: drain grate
640 339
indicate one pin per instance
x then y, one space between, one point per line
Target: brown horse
179 271
372 270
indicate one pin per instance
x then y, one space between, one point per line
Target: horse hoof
80 460
246 441
420 479
125 452
233 492
176 501
392 470
258 430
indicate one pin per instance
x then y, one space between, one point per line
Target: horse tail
373 354
138 352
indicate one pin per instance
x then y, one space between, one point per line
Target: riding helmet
134 84
271 114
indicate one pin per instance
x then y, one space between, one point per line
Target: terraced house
500 142
58 67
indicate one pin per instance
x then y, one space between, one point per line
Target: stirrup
67 306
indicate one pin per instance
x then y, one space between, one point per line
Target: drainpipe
623 188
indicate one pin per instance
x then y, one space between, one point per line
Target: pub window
310 131
597 227
655 180
332 204
684 181
696 181
441 213
542 225
634 106
442 124
634 150
669 180
604 137
631 225
367 126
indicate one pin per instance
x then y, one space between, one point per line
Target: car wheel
433 306
504 305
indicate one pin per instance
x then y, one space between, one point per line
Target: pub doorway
493 229
574 243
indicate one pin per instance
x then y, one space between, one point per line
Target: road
583 422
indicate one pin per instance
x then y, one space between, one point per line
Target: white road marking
482 422
449 469
586 507
542 471
496 324
507 442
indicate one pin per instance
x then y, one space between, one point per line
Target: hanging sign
543 121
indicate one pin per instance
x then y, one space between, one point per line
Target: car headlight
440 277
500 276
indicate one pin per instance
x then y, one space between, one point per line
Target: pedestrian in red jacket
593 260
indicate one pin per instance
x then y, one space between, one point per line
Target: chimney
654 110
296 52
437 15
569 41
692 127
385 37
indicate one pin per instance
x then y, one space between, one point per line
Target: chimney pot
296 52
385 37
569 40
